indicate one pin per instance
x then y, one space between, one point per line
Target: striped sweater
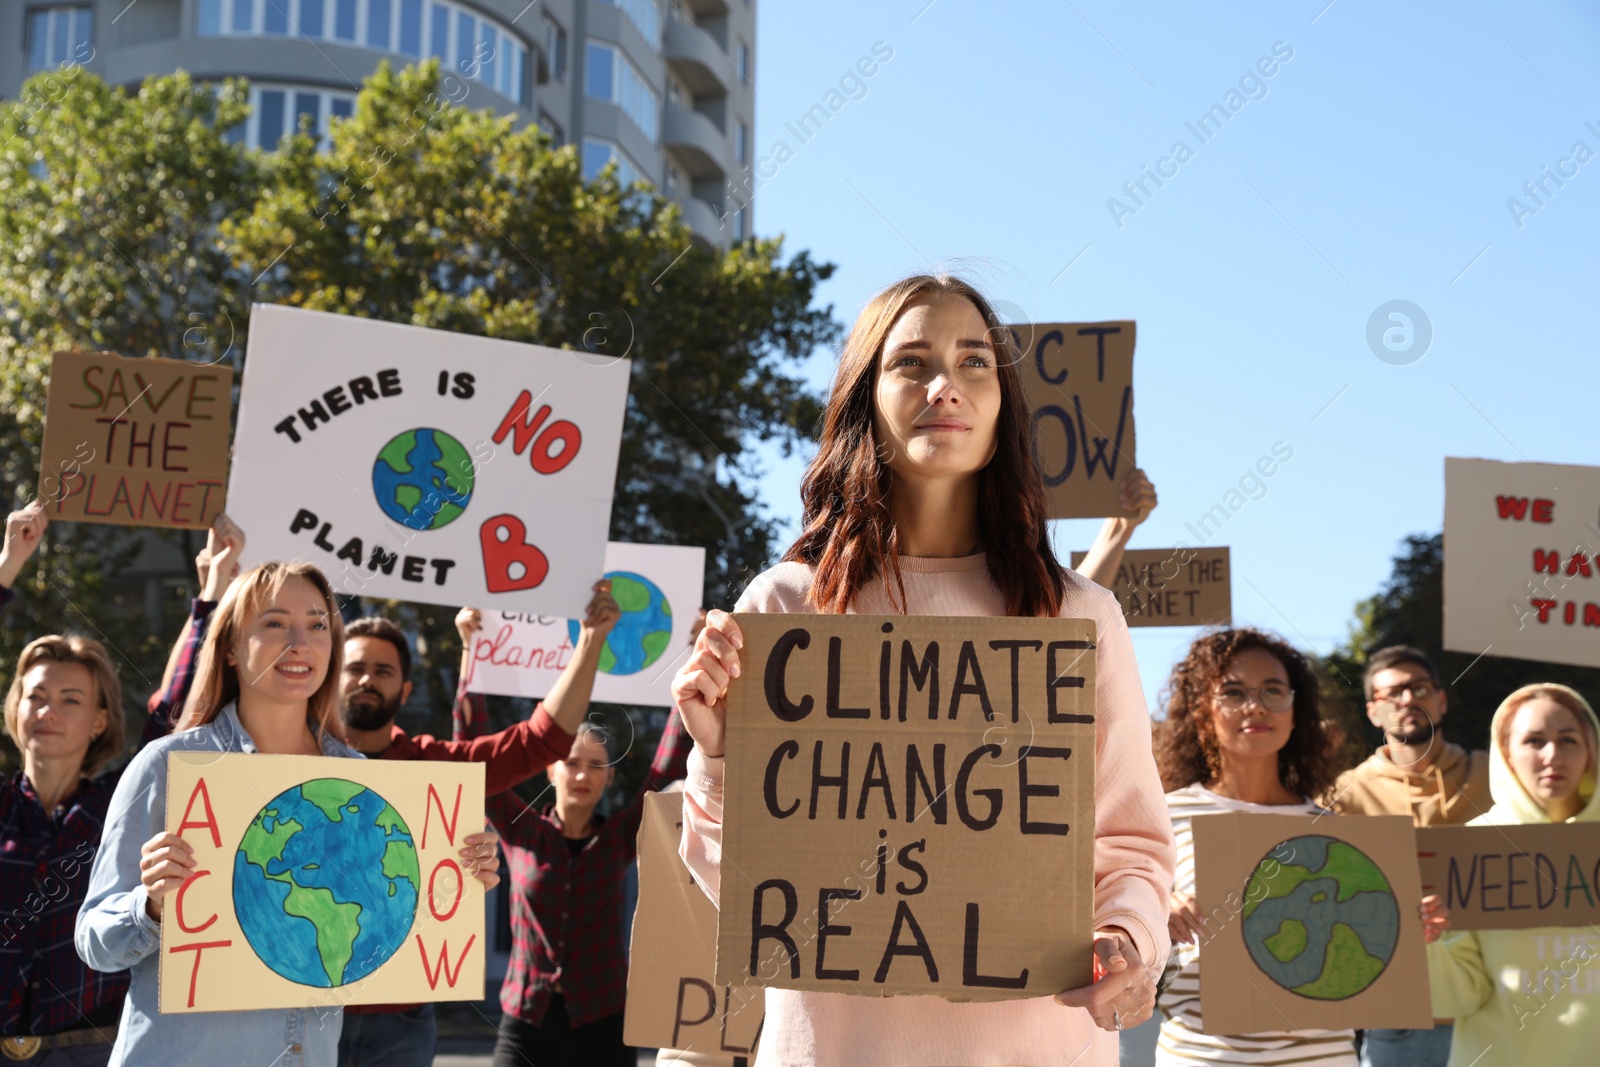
1181 1039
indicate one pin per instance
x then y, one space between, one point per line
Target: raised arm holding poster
424 465
321 881
910 806
137 442
1522 560
1078 377
658 588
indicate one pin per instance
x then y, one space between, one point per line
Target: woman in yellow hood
1527 996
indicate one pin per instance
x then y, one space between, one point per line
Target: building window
677 183
741 142
276 111
344 20
610 75
738 225
275 18
410 28
484 49
744 63
645 15
57 35
555 47
597 153
439 33
380 29
558 136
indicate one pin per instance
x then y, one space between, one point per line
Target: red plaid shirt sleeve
166 704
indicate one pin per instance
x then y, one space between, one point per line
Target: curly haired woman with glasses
1244 732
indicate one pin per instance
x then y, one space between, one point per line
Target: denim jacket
114 932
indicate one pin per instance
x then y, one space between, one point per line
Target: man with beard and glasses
377 681
1420 774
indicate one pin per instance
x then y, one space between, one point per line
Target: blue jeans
389 1039
1407 1048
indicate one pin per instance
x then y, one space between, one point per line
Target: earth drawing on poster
644 630
325 882
423 478
1320 918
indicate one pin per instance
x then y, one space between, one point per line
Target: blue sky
1374 165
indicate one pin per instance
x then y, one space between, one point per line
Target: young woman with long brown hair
1244 732
267 682
924 499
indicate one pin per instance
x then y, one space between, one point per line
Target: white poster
658 588
1521 574
425 465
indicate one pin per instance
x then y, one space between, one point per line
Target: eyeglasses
1418 691
1273 697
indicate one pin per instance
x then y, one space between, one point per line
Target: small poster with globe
1318 915
658 588
321 882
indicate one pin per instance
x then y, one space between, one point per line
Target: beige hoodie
1453 790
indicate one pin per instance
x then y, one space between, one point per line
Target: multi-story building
664 87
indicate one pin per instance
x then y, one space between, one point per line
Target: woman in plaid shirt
64 711
563 995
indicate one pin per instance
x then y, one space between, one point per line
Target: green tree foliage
110 205
1409 610
133 225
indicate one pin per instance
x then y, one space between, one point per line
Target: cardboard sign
1078 377
425 465
1173 586
136 442
1317 924
321 882
673 1000
1513 877
658 588
1522 560
909 806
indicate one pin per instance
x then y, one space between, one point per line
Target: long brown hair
216 681
848 533
1188 751
92 655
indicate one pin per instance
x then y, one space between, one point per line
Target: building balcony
707 8
703 221
696 59
696 141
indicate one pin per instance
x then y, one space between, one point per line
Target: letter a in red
210 822
444 962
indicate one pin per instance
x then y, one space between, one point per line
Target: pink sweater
1133 856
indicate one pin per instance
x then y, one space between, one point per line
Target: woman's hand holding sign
1123 994
165 862
1435 918
701 683
1184 922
